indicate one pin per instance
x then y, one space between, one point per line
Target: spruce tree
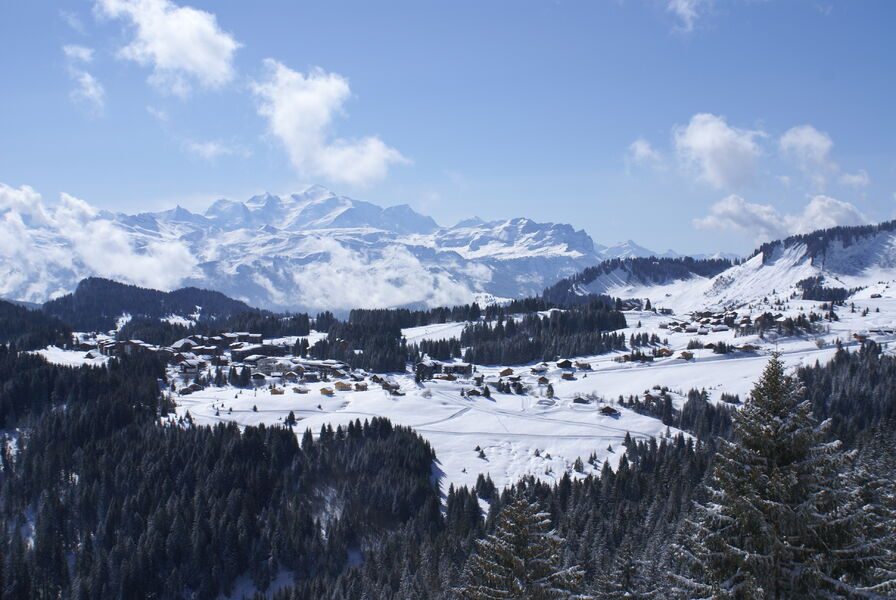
520 560
777 520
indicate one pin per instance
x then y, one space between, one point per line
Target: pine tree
520 560
777 521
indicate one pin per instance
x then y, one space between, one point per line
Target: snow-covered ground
70 358
519 435
530 434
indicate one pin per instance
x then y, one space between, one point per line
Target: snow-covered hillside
847 258
309 251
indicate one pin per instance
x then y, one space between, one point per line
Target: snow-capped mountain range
307 251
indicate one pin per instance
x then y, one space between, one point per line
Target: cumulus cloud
300 108
810 149
183 45
765 222
641 152
45 247
686 11
724 156
399 279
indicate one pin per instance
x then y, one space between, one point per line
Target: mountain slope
97 303
860 260
309 251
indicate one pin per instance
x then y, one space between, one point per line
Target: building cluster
268 361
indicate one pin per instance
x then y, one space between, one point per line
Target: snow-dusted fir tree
520 560
779 519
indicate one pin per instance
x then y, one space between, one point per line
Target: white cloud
687 12
212 149
641 152
767 223
810 149
158 114
724 156
398 278
88 91
72 20
183 45
300 108
77 53
43 245
858 179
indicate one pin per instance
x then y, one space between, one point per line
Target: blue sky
698 125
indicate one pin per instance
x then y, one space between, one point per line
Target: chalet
568 377
311 377
506 372
609 411
473 392
444 377
252 359
582 365
543 380
876 295
686 355
360 386
464 369
300 390
269 365
342 386
244 351
539 369
390 386
291 376
425 369
326 391
256 376
192 365
580 400
564 364
275 391
184 344
327 367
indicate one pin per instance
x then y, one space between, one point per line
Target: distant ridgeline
644 270
818 242
97 303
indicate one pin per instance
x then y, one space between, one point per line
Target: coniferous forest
787 497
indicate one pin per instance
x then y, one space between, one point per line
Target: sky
696 125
